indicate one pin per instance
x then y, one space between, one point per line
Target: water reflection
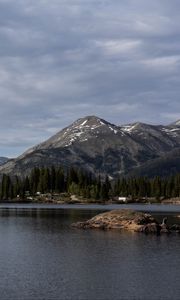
42 257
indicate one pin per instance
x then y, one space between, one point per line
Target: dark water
42 257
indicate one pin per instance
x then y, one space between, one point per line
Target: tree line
143 187
84 184
55 180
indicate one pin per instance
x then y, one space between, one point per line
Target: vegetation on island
85 185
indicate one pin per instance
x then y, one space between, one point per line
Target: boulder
175 228
150 228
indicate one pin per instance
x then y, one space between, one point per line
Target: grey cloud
60 60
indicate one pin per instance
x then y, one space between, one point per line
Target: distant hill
104 148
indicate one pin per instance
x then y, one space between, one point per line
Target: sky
64 59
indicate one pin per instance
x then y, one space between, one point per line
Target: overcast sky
65 59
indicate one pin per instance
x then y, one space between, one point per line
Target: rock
126 219
175 228
121 219
150 228
164 228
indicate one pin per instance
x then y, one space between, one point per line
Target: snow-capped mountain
100 147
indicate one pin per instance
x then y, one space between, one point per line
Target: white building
122 199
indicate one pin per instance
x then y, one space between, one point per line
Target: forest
84 184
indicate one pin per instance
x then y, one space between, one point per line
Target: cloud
116 47
167 63
61 60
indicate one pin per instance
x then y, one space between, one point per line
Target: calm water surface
42 257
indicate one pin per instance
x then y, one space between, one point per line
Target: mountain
177 123
100 147
3 160
168 164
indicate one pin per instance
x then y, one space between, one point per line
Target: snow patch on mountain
174 132
128 128
84 123
112 129
177 123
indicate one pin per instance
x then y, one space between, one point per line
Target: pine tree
6 187
60 185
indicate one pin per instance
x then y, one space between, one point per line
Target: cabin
122 199
119 199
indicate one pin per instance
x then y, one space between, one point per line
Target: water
140 207
42 257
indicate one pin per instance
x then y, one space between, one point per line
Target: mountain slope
3 160
168 164
99 147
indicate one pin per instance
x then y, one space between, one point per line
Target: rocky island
126 219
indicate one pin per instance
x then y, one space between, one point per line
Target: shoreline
86 202
143 207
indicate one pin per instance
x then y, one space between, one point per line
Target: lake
42 257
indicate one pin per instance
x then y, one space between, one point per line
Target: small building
122 199
119 199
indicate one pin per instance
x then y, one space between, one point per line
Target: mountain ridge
100 147
3 160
